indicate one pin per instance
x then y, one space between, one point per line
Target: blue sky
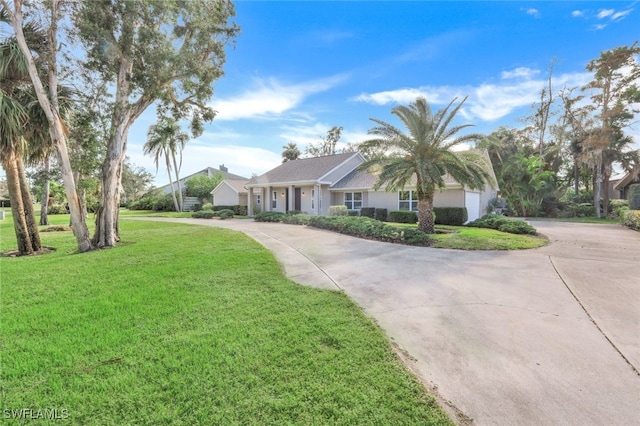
299 68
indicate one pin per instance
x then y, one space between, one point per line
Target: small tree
327 145
290 152
201 186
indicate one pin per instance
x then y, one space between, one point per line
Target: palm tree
15 98
167 139
290 152
424 156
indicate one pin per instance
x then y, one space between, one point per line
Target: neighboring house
231 192
629 179
209 171
311 185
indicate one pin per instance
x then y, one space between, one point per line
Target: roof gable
303 170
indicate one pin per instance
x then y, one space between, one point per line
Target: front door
297 201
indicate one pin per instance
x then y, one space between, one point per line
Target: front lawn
191 325
467 238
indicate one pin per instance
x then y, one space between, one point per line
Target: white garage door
472 203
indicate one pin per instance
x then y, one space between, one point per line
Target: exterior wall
449 198
225 196
486 196
342 170
326 200
389 200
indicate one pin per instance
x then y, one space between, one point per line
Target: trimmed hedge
634 196
403 216
352 213
339 210
380 214
237 209
631 219
455 216
364 227
368 212
503 224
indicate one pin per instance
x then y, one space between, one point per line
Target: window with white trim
353 200
408 200
274 199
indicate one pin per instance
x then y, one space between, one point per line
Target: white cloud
519 72
605 12
487 101
620 15
577 13
533 12
269 98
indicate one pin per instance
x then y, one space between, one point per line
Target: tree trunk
17 207
173 190
27 203
597 188
175 167
576 177
426 221
44 205
606 176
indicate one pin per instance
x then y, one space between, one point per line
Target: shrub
615 204
207 206
455 216
163 203
503 224
634 196
204 214
340 210
276 217
352 212
632 219
364 227
403 216
57 209
380 214
368 212
256 209
517 227
225 213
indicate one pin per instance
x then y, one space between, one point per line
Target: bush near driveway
631 219
362 227
455 216
504 224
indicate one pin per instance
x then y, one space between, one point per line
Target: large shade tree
168 53
423 155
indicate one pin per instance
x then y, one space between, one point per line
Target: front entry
297 200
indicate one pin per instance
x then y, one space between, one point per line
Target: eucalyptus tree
424 156
166 52
166 139
614 95
48 100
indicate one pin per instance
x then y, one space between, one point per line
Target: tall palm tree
424 156
290 152
166 139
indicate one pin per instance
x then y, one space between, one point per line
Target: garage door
472 203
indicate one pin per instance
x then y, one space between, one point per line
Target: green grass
125 212
603 220
467 238
191 325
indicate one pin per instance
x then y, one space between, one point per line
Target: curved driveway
549 336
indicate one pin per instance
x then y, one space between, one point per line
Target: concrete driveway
536 337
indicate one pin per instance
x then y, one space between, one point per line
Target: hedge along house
311 185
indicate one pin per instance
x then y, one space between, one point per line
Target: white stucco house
311 185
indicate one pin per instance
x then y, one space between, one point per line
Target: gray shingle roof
301 170
357 179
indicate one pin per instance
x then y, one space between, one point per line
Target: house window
274 199
408 200
258 199
313 199
353 200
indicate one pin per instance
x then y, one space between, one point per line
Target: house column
249 196
268 202
292 195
